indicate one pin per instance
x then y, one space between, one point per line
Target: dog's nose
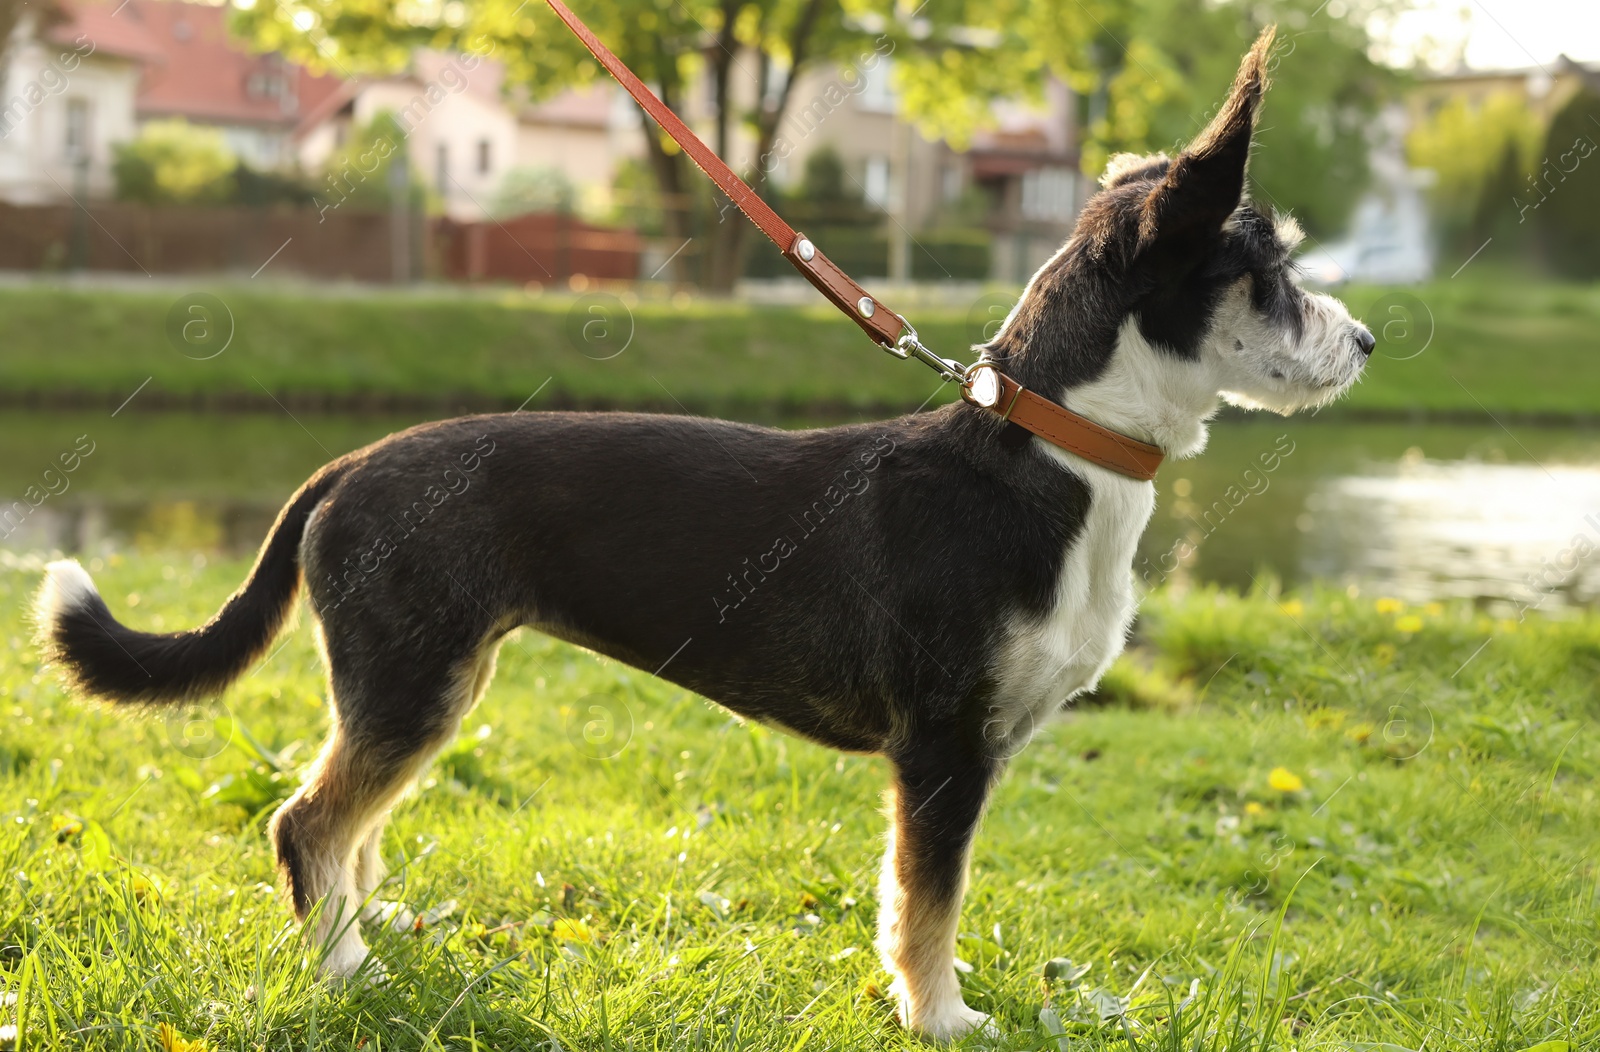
1365 340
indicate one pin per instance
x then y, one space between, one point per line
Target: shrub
175 162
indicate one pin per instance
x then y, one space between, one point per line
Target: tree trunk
727 236
677 206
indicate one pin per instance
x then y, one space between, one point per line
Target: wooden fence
280 241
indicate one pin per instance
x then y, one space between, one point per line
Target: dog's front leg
937 800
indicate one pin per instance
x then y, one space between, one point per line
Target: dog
930 589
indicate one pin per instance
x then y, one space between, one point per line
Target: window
876 185
777 80
951 188
1047 194
77 140
876 96
441 167
485 156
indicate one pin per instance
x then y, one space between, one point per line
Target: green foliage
822 182
1479 155
1565 189
1149 73
1147 877
267 188
827 198
526 190
360 173
174 162
636 198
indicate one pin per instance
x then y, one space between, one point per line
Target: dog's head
1176 290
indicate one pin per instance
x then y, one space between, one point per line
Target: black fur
808 579
102 658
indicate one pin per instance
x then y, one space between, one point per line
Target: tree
1563 194
1479 154
359 172
1148 72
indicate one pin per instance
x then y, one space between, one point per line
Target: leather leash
982 383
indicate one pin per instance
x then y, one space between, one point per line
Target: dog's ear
1205 183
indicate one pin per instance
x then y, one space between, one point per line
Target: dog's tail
100 657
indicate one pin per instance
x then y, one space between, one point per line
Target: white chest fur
1048 660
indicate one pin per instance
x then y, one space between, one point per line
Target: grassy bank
1462 347
1333 821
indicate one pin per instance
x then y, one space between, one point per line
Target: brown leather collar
1059 425
1000 393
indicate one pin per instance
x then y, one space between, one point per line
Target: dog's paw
396 916
943 1020
956 1022
348 960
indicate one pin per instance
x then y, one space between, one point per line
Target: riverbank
1451 350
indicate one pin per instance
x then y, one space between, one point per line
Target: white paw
349 956
941 1020
395 916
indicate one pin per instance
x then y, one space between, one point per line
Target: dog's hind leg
370 868
316 833
388 724
938 798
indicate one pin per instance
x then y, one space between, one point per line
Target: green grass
1487 341
712 886
470 348
1499 343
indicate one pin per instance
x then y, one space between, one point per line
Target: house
464 134
1021 176
256 101
1545 88
67 96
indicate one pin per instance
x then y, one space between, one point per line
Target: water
1416 511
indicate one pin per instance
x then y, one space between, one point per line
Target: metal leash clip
909 345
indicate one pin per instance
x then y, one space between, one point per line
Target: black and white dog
931 588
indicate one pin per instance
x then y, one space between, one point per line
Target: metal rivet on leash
867 307
806 250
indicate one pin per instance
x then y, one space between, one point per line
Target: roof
204 75
1561 65
113 32
586 107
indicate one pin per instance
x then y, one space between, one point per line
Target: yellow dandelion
1360 733
1434 609
1383 653
1386 605
1505 624
1284 780
568 930
172 1041
1409 623
1254 810
66 827
1293 608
